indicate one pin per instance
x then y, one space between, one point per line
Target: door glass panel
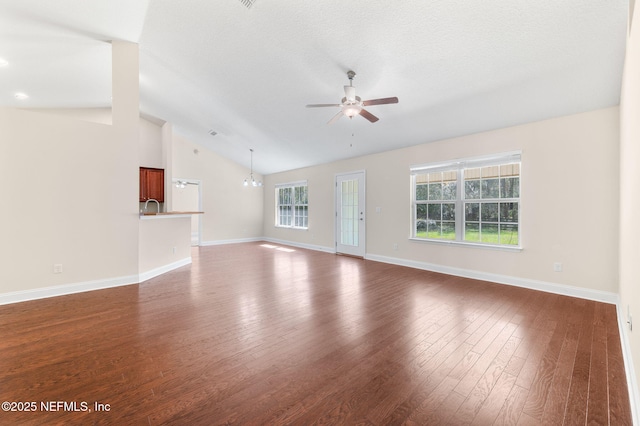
349 209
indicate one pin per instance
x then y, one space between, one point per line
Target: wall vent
248 3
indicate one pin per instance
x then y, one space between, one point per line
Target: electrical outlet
557 267
57 268
174 250
395 246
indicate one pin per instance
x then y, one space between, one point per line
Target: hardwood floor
260 334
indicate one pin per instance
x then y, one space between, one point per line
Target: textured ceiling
457 67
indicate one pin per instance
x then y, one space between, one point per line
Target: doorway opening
187 196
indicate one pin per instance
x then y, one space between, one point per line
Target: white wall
150 144
69 191
568 209
164 240
630 194
232 212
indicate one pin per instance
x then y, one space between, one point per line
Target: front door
350 217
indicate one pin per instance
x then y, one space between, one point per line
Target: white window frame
292 186
459 166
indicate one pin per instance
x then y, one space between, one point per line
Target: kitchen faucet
146 203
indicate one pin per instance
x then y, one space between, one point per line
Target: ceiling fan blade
381 101
366 114
322 105
335 118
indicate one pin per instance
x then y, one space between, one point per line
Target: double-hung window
473 200
292 205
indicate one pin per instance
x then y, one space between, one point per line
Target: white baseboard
235 241
144 276
583 293
300 245
632 383
62 290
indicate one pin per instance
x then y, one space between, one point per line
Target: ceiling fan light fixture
352 105
352 110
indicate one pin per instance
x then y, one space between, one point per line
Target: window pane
285 215
490 188
508 212
448 211
472 189
489 233
435 191
509 234
489 212
449 190
434 212
472 232
420 179
435 177
450 176
510 187
448 230
421 221
510 169
490 172
434 228
471 174
301 216
421 192
472 212
301 195
421 212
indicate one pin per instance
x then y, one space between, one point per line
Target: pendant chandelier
251 180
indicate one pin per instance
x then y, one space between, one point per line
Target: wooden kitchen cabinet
151 184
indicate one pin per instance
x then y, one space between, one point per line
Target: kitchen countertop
150 215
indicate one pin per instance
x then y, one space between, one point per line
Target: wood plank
303 337
598 397
512 407
576 411
618 394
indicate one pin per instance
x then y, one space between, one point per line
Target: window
292 206
472 201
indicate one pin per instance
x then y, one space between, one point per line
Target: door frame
362 246
198 183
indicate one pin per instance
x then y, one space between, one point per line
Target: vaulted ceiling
457 67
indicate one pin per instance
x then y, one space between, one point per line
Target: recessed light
21 96
3 63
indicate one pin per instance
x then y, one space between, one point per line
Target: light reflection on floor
271 246
351 313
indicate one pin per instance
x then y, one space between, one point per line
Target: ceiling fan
351 105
